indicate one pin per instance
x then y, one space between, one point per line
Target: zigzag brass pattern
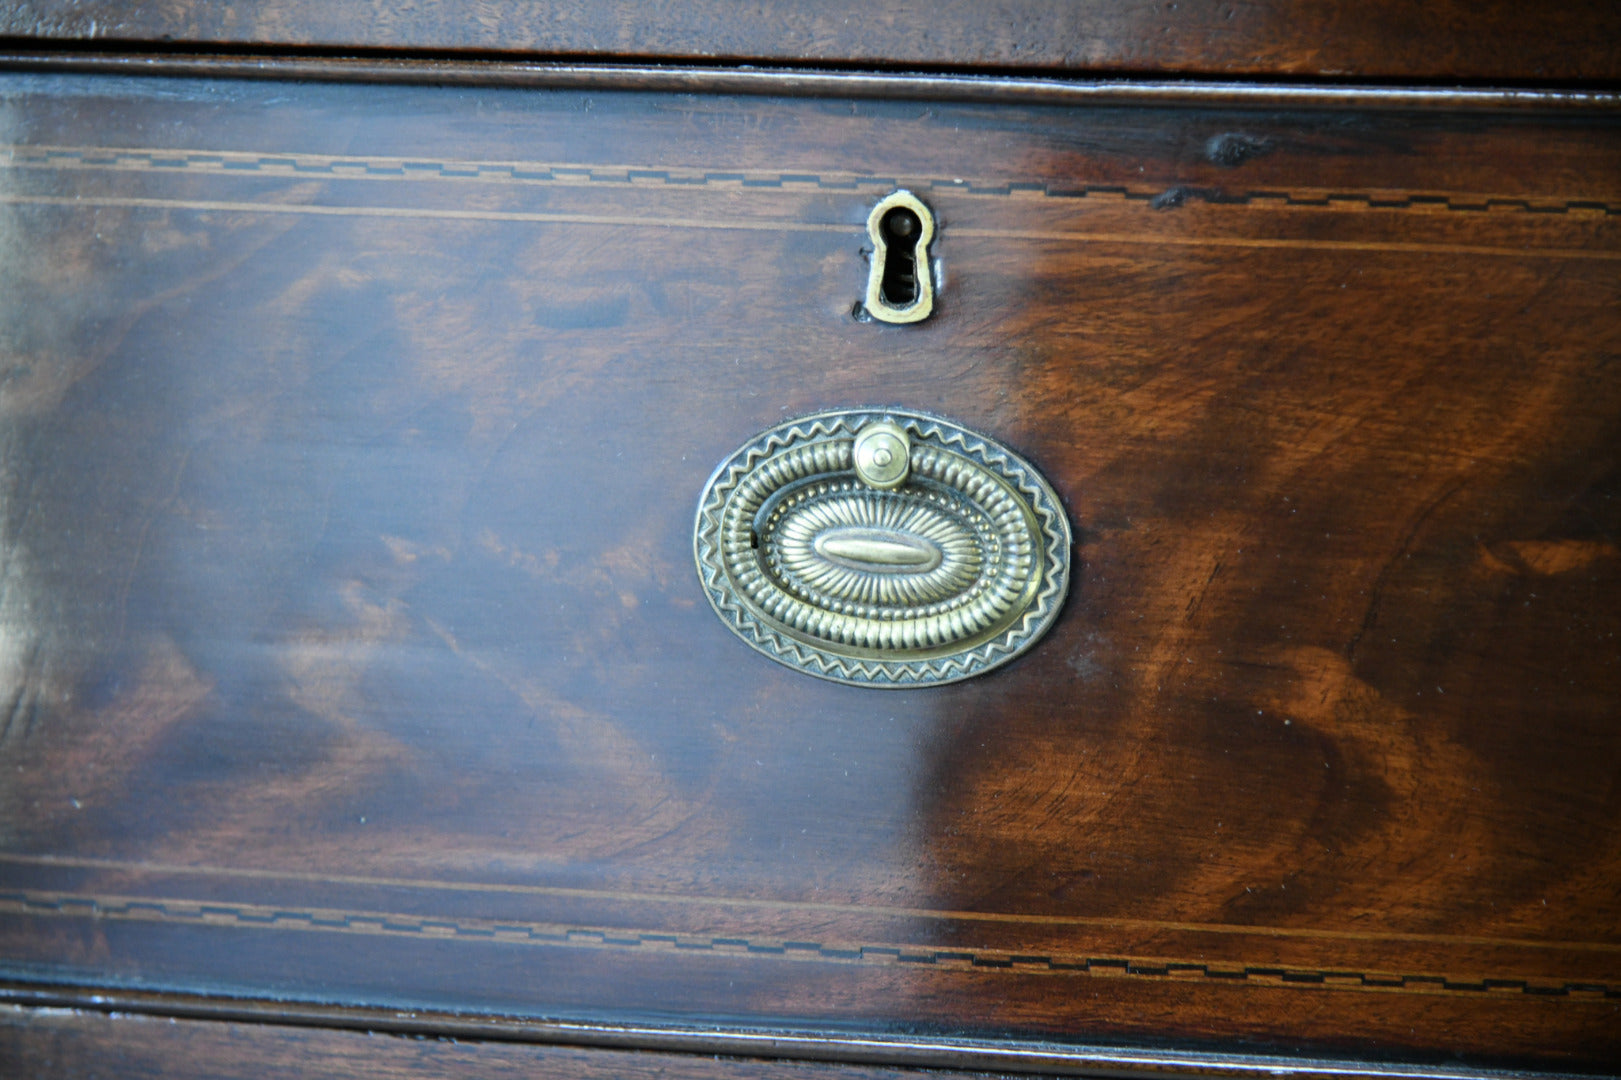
882 548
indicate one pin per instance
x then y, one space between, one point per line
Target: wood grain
1386 39
351 438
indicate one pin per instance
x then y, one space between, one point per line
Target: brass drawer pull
882 548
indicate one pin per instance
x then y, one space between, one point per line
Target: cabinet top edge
808 82
1383 40
787 1044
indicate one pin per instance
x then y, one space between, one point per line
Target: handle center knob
883 456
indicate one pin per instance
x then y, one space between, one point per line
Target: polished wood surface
1555 42
353 650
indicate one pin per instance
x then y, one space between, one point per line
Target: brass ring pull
882 548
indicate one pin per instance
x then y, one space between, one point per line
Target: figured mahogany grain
1379 39
353 650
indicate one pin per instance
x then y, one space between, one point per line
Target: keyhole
900 286
899 230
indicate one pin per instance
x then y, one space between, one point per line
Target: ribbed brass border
862 649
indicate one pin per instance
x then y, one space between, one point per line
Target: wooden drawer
358 676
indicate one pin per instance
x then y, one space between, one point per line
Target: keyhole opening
899 229
900 271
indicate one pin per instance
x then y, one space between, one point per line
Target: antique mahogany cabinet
809 540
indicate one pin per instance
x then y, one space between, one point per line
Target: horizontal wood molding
1027 90
1376 39
166 1034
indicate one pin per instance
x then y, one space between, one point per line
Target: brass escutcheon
882 548
900 278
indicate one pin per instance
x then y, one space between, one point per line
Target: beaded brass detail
881 573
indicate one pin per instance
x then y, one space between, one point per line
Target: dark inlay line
518 932
878 911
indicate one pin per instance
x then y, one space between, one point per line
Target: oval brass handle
882 548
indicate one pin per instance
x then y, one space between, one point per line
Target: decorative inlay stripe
811 907
77 202
378 168
518 932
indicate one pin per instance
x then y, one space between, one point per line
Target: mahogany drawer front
354 654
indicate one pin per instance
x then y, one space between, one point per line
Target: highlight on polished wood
355 672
